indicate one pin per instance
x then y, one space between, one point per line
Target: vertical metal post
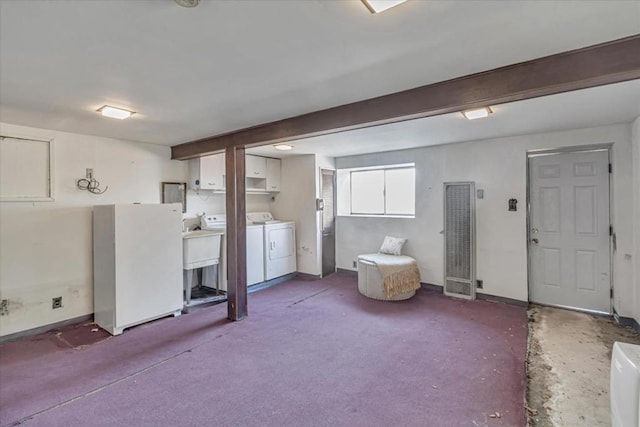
236 233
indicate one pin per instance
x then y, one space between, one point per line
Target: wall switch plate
479 284
480 193
56 302
355 265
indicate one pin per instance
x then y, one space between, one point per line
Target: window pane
367 192
400 192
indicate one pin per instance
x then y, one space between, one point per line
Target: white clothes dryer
279 244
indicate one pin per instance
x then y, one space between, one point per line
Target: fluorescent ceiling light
283 147
478 113
115 113
377 6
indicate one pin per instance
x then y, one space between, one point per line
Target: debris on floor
568 366
80 335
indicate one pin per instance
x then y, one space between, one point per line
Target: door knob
534 241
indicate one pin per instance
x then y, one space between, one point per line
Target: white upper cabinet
273 174
207 173
256 167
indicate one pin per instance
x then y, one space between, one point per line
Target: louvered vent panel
456 288
459 215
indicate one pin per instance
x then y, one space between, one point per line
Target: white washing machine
279 244
255 247
255 254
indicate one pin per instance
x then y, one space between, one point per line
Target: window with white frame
381 191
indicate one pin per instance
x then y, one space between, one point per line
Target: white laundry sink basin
199 233
200 248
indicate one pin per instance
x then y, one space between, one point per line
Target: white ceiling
226 65
618 103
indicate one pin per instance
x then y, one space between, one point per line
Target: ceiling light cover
377 6
478 113
283 147
187 3
115 113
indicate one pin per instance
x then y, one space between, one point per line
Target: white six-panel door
569 230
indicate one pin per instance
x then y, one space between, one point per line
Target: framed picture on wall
175 192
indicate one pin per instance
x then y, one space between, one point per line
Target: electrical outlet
56 302
355 265
4 307
479 284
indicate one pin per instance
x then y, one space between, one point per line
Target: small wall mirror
175 192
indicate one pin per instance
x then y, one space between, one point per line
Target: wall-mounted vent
459 239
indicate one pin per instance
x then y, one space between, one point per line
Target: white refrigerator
137 264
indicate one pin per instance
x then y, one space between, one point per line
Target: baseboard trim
270 283
484 297
626 321
352 273
433 288
46 328
503 300
307 276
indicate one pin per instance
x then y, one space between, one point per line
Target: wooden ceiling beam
597 65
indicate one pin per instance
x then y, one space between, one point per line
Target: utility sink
200 248
198 233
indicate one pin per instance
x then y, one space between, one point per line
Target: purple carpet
311 353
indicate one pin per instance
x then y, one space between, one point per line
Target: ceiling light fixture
283 147
115 113
478 113
187 3
377 6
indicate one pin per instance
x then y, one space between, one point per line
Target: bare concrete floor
568 367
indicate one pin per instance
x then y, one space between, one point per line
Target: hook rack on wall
90 184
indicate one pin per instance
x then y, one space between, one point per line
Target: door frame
335 219
572 149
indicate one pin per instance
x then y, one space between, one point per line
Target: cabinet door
273 174
212 172
256 166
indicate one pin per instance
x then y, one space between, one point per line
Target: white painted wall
635 141
499 167
46 247
296 201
